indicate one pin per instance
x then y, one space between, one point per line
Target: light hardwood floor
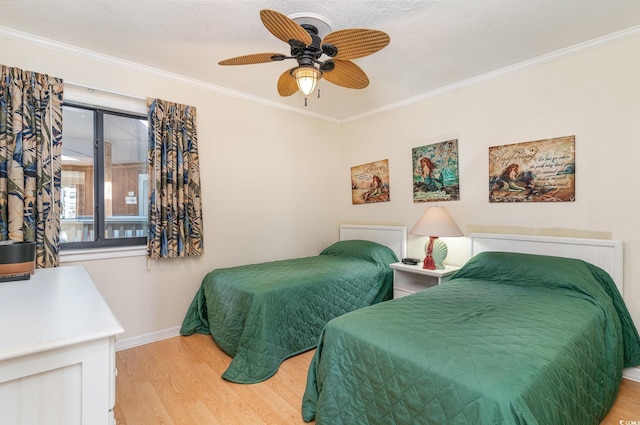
177 382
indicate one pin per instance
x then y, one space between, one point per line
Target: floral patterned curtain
175 210
30 160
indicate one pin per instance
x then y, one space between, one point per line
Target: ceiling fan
307 48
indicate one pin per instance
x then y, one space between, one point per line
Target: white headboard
606 254
395 237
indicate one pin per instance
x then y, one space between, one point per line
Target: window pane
77 176
125 176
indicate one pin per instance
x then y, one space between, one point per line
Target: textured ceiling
434 43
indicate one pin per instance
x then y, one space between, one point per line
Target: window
104 178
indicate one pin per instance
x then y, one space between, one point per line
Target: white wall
594 95
267 192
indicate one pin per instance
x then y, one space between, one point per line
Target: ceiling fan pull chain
318 93
305 101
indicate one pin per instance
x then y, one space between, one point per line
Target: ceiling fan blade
283 27
356 43
287 84
252 59
346 74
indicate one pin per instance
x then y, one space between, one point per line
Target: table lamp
435 222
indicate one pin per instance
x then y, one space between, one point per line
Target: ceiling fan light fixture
306 78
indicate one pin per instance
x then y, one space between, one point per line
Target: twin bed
514 337
261 314
532 330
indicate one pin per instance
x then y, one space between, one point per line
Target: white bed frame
395 237
606 254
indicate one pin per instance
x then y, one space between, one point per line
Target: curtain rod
94 89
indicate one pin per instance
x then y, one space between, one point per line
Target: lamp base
436 250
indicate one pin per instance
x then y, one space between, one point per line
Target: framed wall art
370 182
538 171
435 172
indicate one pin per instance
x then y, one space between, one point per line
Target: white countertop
57 307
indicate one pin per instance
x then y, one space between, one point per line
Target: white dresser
57 350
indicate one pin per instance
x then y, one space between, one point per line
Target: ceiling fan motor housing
310 55
307 55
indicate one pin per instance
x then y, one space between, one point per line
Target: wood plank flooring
178 381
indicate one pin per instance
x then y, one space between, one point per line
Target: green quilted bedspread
261 314
510 339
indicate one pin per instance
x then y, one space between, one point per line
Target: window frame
99 222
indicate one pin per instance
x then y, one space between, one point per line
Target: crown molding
531 63
134 66
89 54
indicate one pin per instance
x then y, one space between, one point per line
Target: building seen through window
104 178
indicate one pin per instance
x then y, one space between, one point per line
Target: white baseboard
632 373
123 344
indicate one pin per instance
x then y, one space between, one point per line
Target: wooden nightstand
408 279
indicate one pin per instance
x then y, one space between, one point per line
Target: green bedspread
261 314
510 339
